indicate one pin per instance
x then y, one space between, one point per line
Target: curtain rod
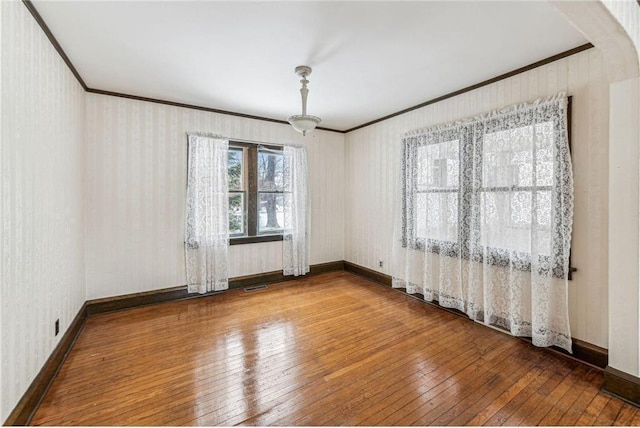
257 143
262 144
241 140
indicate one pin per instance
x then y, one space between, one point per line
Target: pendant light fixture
304 122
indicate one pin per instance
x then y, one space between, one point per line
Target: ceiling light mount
304 123
303 71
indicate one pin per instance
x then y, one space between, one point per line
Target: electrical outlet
380 263
57 326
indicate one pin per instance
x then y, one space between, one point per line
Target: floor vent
255 288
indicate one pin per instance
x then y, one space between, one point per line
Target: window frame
259 193
465 191
250 176
242 191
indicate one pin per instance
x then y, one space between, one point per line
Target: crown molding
195 107
517 71
45 28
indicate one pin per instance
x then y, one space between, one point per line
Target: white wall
41 200
136 183
624 291
2 268
371 164
624 195
628 15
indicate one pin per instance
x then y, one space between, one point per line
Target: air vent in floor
255 288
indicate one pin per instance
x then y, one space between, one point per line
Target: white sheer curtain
484 219
207 214
295 245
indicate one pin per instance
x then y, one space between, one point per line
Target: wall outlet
380 263
57 327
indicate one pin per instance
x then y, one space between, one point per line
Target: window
438 187
516 177
486 189
237 192
270 191
256 192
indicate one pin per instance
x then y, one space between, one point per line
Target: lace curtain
295 244
207 215
484 219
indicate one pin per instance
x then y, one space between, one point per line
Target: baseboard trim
26 407
371 274
589 353
622 385
583 352
128 301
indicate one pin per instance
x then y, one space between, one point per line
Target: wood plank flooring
333 349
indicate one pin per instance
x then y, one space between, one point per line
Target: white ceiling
369 59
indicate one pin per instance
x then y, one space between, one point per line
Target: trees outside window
256 192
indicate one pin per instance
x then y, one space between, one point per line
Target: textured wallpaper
629 17
371 165
42 200
106 177
136 188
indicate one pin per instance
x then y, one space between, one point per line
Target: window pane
507 220
234 168
543 212
508 158
236 214
542 230
270 171
270 213
437 216
504 217
544 153
438 166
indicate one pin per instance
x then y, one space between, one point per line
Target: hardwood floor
333 349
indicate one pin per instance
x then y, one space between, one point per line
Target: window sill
254 239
